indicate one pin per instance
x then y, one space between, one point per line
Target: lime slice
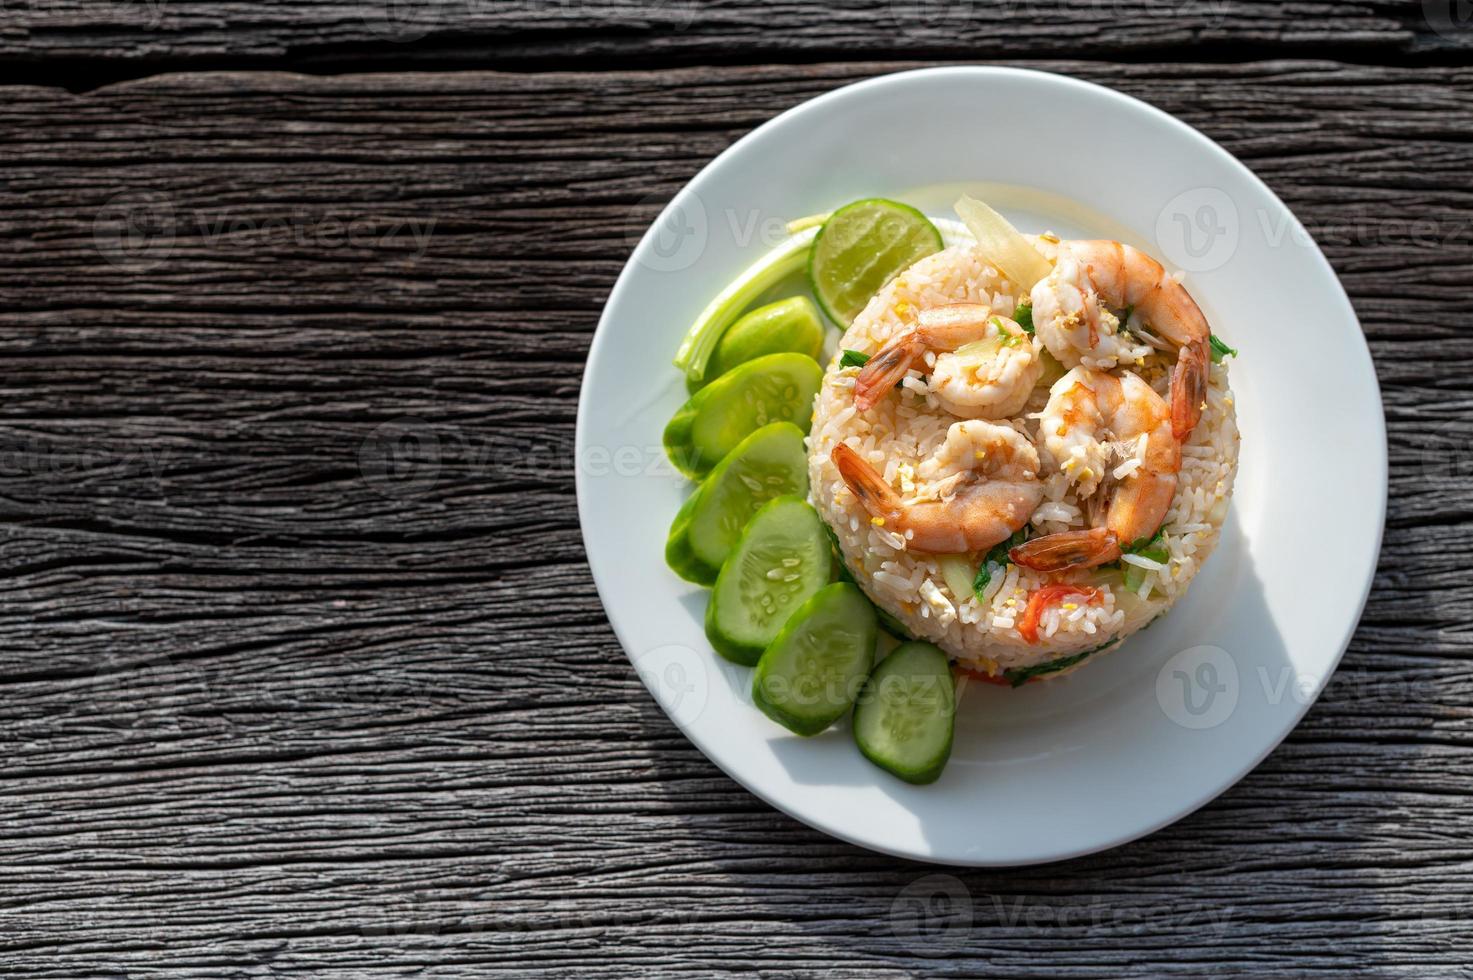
861 247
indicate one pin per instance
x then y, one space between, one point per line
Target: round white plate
1186 708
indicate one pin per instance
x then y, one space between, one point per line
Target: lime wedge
861 247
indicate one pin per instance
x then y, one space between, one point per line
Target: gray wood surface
315 33
270 711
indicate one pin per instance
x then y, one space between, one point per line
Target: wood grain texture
272 709
323 33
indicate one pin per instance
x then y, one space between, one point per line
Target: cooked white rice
907 427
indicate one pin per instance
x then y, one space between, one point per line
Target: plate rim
1378 455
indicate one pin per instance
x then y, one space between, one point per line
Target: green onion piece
1023 316
891 625
1219 349
1004 339
1018 676
811 221
700 340
997 556
983 579
1140 545
853 358
999 553
1151 548
1125 318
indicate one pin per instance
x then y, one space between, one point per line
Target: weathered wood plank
324 33
266 712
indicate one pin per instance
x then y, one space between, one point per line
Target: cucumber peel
906 713
770 462
781 559
772 388
811 674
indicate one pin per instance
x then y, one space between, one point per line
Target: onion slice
1004 246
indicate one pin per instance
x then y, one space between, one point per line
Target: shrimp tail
1189 388
884 371
1067 549
865 482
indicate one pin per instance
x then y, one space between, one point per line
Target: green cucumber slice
678 554
770 462
781 560
861 247
813 671
904 719
773 388
790 325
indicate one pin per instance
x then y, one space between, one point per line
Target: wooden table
272 710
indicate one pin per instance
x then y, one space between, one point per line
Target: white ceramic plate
1185 709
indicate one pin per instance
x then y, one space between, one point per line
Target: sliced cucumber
774 388
678 554
768 463
813 671
788 326
861 247
781 560
904 719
